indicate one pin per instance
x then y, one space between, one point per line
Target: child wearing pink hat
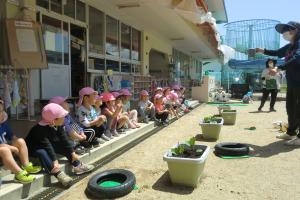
146 108
9 145
80 139
132 114
112 112
48 138
88 118
161 113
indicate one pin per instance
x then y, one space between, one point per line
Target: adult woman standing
291 52
270 84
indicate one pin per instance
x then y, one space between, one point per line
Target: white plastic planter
211 130
186 171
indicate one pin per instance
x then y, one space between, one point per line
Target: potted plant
186 162
229 116
211 127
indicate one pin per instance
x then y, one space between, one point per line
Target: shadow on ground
253 112
200 138
271 149
164 184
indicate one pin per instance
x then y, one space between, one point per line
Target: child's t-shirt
47 137
107 110
71 125
86 116
144 104
159 107
6 133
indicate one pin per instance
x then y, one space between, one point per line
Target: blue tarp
250 64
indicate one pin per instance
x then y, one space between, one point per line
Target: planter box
221 108
229 117
211 131
186 171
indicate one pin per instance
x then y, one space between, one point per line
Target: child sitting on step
88 118
79 138
11 145
112 112
146 108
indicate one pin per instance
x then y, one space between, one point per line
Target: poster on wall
25 44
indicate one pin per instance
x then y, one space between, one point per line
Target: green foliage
210 119
181 148
191 141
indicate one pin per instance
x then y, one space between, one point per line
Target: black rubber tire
126 178
231 149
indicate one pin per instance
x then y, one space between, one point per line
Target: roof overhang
160 17
218 10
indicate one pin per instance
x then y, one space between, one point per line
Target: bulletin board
25 44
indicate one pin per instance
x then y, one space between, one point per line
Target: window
136 44
69 8
56 6
112 65
66 43
112 42
125 41
126 67
136 68
56 40
80 11
43 3
95 63
96 30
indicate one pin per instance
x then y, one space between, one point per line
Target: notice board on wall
25 44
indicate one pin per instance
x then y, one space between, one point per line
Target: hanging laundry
7 98
22 91
116 82
16 95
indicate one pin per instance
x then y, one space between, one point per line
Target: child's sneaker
64 179
24 177
108 135
96 142
80 150
114 133
121 131
32 169
105 137
83 168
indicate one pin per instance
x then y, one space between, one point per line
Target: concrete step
12 190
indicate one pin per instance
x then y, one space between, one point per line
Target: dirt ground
274 173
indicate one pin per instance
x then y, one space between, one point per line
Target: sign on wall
25 44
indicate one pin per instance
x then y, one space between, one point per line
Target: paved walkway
272 174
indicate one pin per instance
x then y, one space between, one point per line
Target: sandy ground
274 173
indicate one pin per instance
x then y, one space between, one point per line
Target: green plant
187 148
210 119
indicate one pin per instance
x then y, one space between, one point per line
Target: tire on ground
231 149
125 177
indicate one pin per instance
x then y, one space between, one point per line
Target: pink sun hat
158 88
144 93
85 91
158 96
125 92
99 97
115 94
51 112
108 97
58 100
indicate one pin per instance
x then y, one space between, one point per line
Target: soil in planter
191 152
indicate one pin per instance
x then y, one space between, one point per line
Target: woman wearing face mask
291 52
270 84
